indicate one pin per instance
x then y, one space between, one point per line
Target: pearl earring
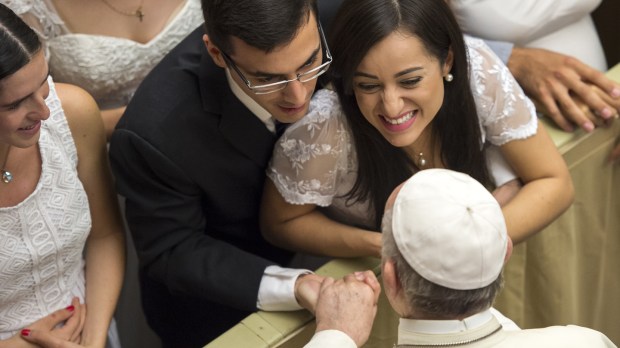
449 77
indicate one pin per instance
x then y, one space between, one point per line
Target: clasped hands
60 329
567 90
348 304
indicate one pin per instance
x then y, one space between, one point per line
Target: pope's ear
508 250
214 52
391 282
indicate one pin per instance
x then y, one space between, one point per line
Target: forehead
24 81
283 59
395 52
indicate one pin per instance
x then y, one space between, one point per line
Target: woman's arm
105 253
110 119
547 191
304 228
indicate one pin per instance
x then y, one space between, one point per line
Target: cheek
264 100
367 104
8 123
432 98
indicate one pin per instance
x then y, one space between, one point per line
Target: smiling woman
108 47
404 102
54 165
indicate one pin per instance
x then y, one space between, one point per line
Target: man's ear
508 250
391 283
394 290
214 52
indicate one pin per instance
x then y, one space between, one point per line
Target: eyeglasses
280 85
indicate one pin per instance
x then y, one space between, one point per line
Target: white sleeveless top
109 68
42 238
314 162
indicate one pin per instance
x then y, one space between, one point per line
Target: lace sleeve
505 112
312 155
40 15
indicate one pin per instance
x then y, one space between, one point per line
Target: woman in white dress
61 236
108 46
404 102
563 26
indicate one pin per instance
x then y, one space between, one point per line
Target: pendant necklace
137 13
7 177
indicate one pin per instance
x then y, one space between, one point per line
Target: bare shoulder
82 114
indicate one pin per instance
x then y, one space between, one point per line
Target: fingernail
588 126
26 332
606 113
71 308
615 92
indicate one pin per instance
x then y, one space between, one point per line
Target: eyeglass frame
284 83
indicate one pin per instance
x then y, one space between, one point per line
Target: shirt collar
446 326
250 103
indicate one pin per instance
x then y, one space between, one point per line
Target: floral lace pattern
314 162
312 153
109 68
505 112
42 238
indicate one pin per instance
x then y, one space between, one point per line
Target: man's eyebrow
17 101
312 56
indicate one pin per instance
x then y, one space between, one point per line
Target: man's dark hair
264 24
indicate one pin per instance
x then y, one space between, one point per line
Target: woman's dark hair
18 42
264 24
362 24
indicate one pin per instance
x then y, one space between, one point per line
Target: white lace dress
314 162
109 68
42 238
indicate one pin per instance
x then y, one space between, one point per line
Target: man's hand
564 88
348 305
307 288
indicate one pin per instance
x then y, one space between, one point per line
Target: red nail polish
26 332
71 308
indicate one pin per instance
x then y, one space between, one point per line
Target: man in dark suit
189 156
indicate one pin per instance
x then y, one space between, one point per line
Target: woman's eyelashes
371 87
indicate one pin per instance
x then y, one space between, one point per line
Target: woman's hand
47 333
507 191
71 319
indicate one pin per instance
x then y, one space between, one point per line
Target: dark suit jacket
190 159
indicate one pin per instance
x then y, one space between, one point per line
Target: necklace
137 13
7 177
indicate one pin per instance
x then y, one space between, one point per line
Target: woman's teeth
399 120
